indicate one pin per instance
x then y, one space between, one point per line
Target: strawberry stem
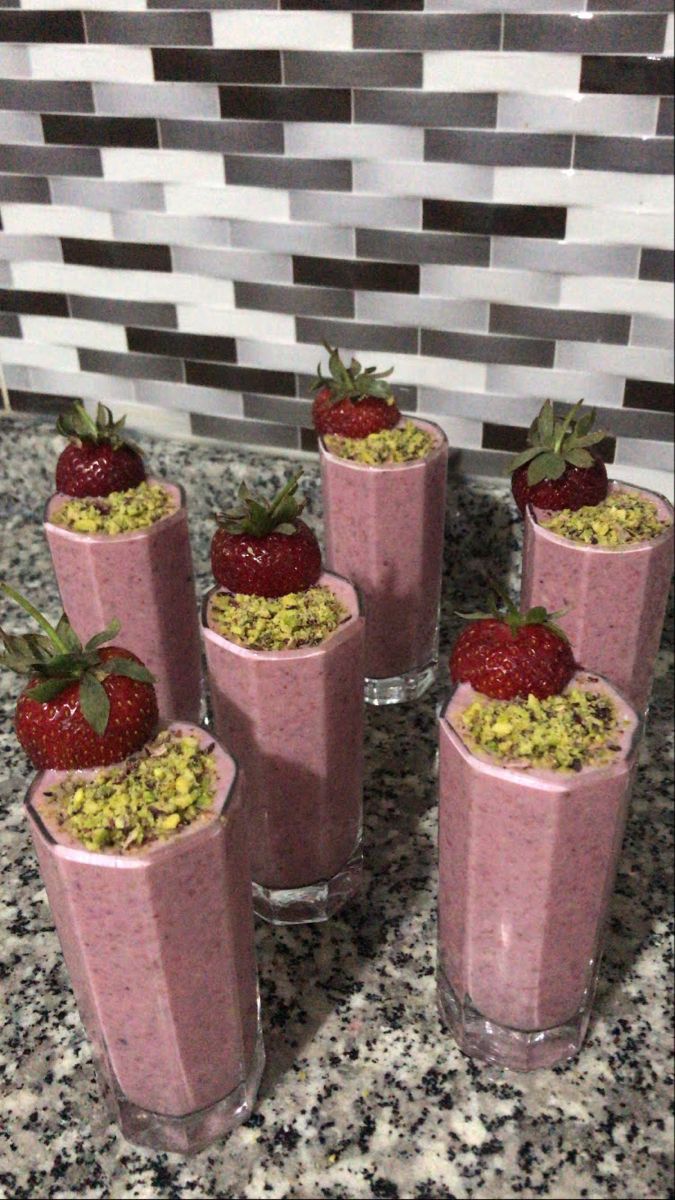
37 616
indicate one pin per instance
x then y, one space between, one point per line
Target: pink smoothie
146 580
384 530
616 596
527 865
294 721
159 947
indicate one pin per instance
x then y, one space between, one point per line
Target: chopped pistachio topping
120 512
154 794
404 443
298 619
620 520
567 732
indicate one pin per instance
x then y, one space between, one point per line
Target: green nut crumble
568 732
404 443
154 794
621 520
287 623
120 512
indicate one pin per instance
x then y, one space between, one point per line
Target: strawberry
97 459
263 549
512 654
84 706
353 402
559 470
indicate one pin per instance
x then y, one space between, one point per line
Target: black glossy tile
44 304
124 312
36 95
634 34
644 393
627 76
100 131
507 220
475 347
309 441
285 104
514 439
182 345
149 29
433 31
132 256
313 174
50 160
460 109
39 402
240 379
353 69
23 189
218 66
345 273
657 265
41 27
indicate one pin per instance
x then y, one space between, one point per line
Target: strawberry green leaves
78 426
352 382
554 444
260 517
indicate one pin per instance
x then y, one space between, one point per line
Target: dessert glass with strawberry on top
537 758
284 649
120 545
142 844
600 549
384 482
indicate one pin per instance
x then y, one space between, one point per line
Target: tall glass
615 597
527 860
294 720
384 530
159 947
146 579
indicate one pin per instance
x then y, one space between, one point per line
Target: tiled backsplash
194 193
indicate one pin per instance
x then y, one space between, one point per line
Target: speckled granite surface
364 1094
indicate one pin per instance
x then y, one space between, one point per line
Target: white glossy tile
90 385
557 384
482 71
56 220
67 331
609 189
187 398
170 166
662 482
237 322
233 264
123 285
36 354
624 228
593 293
431 180
476 283
651 331
14 62
252 30
21 127
262 204
319 140
461 432
636 362
619 115
128 64
157 99
640 452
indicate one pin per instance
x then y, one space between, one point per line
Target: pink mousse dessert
152 905
609 568
528 856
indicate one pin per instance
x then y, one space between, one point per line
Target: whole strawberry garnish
353 402
558 470
512 654
98 460
263 549
84 706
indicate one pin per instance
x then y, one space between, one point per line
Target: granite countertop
364 1093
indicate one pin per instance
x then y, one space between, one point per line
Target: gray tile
567 324
654 6
236 137
423 247
10 326
50 160
292 238
131 366
637 453
124 312
289 173
186 398
365 69
40 96
5 274
304 301
643 155
478 348
388 31
498 149
666 125
106 195
567 258
16 248
255 433
429 312
233 264
354 336
610 34
651 331
22 189
149 29
578 114
157 99
384 212
483 463
657 265
275 408
463 109
169 229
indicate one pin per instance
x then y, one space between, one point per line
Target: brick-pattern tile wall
194 193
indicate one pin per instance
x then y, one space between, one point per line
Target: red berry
98 468
353 418
273 564
577 487
505 663
55 734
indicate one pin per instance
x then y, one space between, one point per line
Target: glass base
520 1050
189 1134
317 902
401 688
